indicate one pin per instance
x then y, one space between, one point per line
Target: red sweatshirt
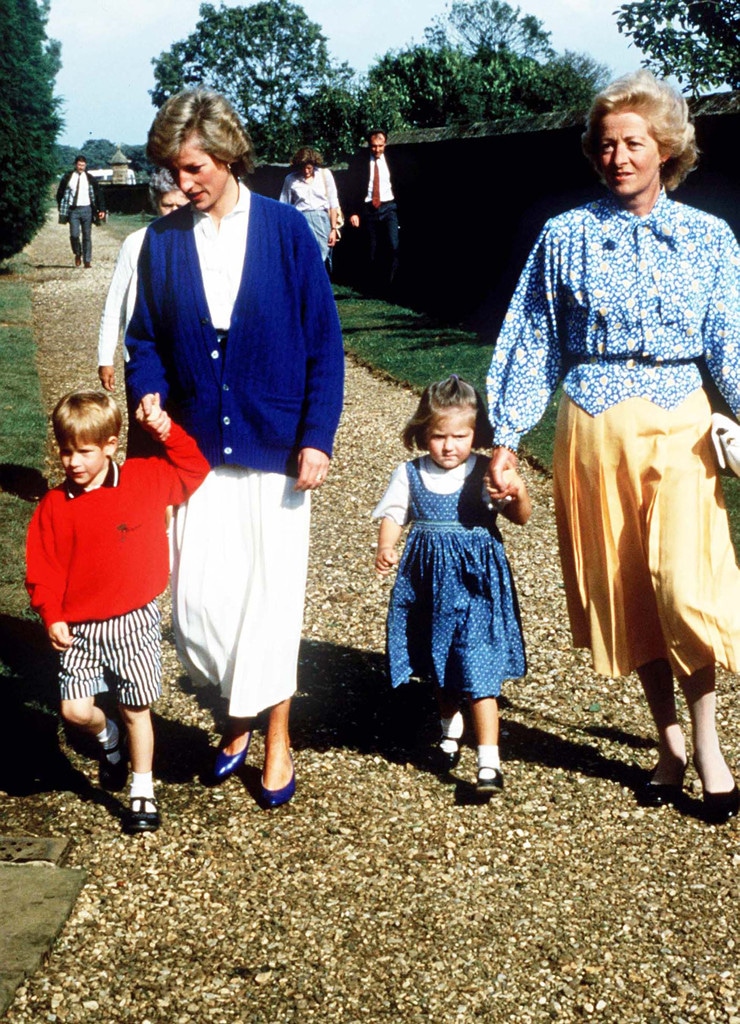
104 552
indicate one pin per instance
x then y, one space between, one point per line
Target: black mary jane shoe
113 777
489 781
720 807
444 761
142 816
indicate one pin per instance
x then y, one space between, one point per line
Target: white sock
488 757
451 731
108 738
142 785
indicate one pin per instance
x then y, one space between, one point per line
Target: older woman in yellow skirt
622 300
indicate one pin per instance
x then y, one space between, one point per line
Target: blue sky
107 47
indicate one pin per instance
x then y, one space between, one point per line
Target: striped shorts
125 651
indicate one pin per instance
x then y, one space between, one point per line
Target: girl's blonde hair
667 116
211 119
91 417
441 398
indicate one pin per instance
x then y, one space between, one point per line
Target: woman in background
312 190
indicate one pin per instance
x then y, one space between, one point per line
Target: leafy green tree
481 27
482 62
267 59
697 41
331 119
29 120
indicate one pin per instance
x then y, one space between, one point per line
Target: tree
483 61
698 41
332 119
483 27
266 59
29 120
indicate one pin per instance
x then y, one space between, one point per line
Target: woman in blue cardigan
235 328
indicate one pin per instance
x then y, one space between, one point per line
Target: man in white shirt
379 216
84 202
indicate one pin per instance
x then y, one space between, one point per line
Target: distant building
121 173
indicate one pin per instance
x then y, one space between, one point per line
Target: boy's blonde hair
440 398
86 416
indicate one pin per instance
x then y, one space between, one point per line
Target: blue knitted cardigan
277 386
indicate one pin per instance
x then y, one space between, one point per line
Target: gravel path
380 893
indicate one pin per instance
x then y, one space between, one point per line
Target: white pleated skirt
239 564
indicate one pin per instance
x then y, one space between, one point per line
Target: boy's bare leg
83 713
138 722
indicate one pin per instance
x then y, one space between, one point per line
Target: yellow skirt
648 563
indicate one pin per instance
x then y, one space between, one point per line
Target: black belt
571 359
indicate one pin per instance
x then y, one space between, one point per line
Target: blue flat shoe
227 764
276 797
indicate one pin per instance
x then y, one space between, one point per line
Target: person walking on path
311 188
623 300
83 199
454 615
104 622
374 207
235 326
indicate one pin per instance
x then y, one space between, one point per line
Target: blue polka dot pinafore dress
454 615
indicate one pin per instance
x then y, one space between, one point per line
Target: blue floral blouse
619 306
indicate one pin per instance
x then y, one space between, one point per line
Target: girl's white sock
142 785
452 730
108 738
488 757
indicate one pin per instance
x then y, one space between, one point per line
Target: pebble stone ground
382 893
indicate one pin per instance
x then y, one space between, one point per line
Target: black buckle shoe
138 819
489 781
113 776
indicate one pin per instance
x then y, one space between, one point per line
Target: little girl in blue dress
453 615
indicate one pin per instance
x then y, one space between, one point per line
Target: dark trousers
382 229
80 219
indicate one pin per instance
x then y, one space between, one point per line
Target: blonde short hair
86 416
211 119
667 116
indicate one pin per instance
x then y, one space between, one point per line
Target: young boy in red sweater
97 557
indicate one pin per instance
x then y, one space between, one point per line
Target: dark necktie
376 185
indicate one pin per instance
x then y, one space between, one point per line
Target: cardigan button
225 387
214 354
227 421
228 451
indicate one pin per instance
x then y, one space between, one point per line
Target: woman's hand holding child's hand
153 418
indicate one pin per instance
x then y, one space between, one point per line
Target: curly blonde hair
211 119
667 116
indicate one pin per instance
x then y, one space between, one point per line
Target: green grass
22 434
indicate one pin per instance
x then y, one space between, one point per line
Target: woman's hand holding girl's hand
313 466
499 476
153 418
386 558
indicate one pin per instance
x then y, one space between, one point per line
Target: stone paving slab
36 897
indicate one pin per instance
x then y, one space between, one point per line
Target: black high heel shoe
660 794
720 807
